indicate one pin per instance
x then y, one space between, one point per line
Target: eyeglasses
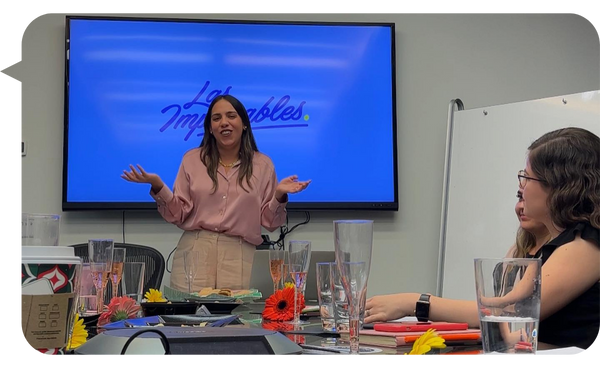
523 178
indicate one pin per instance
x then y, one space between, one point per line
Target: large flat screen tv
320 96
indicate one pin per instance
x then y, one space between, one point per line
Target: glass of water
508 299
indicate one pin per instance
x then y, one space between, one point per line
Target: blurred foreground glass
100 252
39 229
340 301
133 280
508 299
353 241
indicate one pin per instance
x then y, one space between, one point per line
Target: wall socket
23 149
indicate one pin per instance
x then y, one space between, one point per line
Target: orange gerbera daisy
280 305
120 308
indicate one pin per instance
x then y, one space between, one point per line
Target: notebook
395 339
419 326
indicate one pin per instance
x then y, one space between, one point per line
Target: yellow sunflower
425 342
154 296
79 335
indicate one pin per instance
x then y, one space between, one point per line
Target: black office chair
152 258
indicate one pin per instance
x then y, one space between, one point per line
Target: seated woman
560 189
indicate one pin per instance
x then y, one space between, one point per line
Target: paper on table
405 319
561 351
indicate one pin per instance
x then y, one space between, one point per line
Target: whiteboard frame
586 104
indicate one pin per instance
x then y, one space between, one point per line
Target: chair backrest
152 258
260 278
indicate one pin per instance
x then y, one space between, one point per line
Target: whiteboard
487 147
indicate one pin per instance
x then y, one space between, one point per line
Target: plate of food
210 294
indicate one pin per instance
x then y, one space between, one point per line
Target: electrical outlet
23 149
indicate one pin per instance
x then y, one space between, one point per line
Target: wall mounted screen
320 97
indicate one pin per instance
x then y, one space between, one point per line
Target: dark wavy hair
209 153
568 162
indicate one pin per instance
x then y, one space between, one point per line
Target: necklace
226 165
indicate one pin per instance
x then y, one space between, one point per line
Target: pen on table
313 347
476 336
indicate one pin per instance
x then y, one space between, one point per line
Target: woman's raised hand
141 176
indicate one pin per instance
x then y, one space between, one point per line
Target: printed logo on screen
270 115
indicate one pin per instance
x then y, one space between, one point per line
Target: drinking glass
191 263
353 241
299 260
87 292
276 258
508 298
100 253
325 295
117 269
285 271
134 274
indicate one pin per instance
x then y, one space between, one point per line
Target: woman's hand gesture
142 176
291 185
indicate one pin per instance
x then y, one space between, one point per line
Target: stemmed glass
353 245
276 259
285 270
100 252
117 269
191 263
299 260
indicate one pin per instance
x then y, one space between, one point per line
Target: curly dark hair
568 162
209 154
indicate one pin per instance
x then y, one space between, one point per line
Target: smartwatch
422 308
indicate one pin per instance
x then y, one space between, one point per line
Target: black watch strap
422 308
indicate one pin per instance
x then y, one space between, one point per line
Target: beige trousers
225 261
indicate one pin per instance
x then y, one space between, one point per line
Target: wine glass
276 258
100 252
117 269
353 245
191 263
299 260
285 270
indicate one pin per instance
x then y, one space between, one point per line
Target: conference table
310 339
313 340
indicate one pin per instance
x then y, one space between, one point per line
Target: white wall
482 59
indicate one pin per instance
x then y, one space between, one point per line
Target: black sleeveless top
578 322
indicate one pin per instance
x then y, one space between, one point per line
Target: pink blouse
230 210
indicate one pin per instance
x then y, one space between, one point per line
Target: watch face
422 310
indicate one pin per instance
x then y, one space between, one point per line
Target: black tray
168 308
190 320
218 307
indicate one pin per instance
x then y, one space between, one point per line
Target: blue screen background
128 79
